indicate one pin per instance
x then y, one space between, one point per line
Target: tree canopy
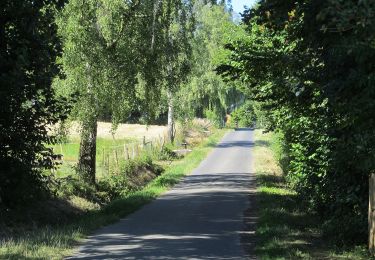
310 66
28 47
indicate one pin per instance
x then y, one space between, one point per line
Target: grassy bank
285 229
105 148
58 241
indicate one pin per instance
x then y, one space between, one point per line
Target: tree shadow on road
187 231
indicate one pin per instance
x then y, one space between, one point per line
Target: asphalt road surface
202 217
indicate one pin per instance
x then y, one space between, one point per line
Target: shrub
244 116
215 117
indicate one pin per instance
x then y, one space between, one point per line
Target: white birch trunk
171 132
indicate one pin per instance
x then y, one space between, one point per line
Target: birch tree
206 93
177 23
100 42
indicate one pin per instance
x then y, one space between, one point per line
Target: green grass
104 151
285 229
70 150
57 242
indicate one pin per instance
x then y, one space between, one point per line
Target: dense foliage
310 65
98 66
206 94
28 48
116 60
244 116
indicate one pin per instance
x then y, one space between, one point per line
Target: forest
303 71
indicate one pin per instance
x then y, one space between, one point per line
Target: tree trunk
155 11
87 151
171 132
371 214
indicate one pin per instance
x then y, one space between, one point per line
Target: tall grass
285 228
58 241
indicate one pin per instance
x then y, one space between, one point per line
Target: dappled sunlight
172 245
285 228
177 234
208 215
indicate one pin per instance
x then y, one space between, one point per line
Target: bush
215 117
28 102
244 116
134 175
316 87
166 153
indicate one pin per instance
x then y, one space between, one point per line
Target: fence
110 159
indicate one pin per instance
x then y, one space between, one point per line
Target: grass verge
285 229
58 241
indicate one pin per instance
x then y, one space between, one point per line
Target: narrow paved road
200 218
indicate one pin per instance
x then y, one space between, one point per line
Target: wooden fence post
127 153
108 164
162 144
371 214
103 158
116 158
